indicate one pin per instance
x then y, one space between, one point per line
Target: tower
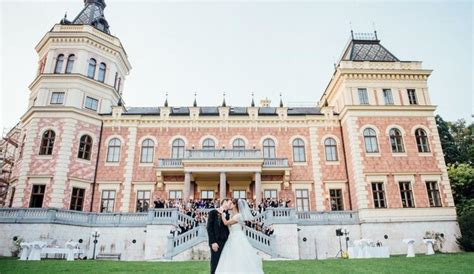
81 74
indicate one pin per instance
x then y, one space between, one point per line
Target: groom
217 232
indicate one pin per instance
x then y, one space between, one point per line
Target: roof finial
375 31
281 101
223 101
65 15
253 102
195 102
166 100
352 31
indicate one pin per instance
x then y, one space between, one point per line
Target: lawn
440 263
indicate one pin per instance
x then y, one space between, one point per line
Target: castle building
370 146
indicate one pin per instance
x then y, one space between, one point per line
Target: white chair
429 246
70 248
410 249
25 251
35 254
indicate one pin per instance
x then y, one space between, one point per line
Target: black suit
217 233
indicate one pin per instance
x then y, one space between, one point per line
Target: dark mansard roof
92 14
214 111
367 47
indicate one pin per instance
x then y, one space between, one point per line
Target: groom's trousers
215 256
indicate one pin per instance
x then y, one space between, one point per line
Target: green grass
440 263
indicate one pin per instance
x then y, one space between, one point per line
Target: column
222 184
258 188
187 186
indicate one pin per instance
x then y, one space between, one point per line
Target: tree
457 141
461 177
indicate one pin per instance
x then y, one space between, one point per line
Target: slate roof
214 111
92 14
367 47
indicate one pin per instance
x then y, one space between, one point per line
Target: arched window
85 147
148 147
422 140
47 143
116 80
113 152
396 140
101 77
269 148
370 140
298 151
208 144
330 147
177 149
70 63
238 144
59 63
91 69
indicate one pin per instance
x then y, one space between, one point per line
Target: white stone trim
427 130
246 141
270 137
173 138
208 136
129 163
323 139
79 184
426 177
147 186
316 168
61 169
153 138
122 141
375 128
86 132
290 141
103 187
402 131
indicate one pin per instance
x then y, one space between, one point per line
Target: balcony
222 154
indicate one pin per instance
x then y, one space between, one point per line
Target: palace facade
369 146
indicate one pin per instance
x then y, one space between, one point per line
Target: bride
238 256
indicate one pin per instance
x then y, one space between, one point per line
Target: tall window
116 80
335 198
70 63
298 151
59 63
113 151
37 195
396 140
270 194
331 149
239 194
363 97
269 148
119 84
175 195
177 149
407 194
379 195
302 200
47 143
208 144
107 201
422 140
91 69
91 103
433 193
412 97
77 199
102 68
85 147
238 144
370 140
143 200
387 96
207 195
148 147
57 98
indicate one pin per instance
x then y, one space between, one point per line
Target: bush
466 224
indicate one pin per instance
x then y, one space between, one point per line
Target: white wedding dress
238 256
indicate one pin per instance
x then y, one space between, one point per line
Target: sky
240 47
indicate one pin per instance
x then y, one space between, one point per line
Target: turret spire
92 14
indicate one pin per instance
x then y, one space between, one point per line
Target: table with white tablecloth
369 252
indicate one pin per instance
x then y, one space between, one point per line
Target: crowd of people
196 210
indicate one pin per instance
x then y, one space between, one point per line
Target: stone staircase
198 234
